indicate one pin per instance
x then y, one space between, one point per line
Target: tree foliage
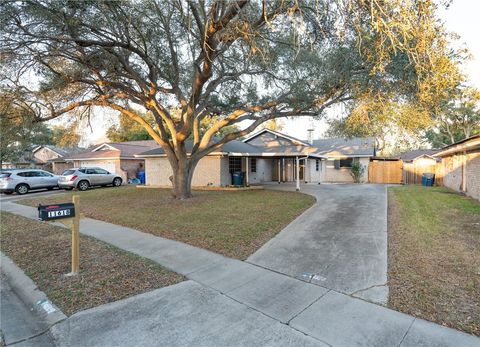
226 61
457 120
18 134
128 130
65 136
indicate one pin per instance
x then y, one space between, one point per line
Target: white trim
350 156
51 150
277 134
239 154
102 145
105 158
465 146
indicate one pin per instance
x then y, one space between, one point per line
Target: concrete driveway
340 243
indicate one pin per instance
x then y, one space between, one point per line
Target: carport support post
76 236
297 168
279 172
246 171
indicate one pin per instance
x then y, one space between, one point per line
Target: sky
461 18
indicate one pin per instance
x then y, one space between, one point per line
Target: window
101 172
44 174
5 174
68 172
91 171
343 163
253 165
28 174
317 165
234 164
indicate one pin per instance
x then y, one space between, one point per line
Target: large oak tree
231 61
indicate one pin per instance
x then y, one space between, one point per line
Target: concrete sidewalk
235 303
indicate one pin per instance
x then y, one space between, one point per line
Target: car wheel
117 182
22 189
83 185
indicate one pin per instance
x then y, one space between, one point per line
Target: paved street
20 324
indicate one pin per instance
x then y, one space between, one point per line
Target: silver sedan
85 177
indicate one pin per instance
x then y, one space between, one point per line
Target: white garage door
106 165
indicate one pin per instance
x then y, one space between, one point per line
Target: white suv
23 180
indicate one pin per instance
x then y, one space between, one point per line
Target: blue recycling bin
141 177
428 179
237 178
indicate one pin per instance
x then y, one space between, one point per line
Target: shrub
357 171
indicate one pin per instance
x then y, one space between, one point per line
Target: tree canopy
228 61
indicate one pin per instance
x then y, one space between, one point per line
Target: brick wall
473 175
343 175
453 172
452 168
207 172
129 168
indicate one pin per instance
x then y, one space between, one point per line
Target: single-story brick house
41 157
461 166
115 157
268 156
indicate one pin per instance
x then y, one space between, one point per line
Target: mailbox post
68 214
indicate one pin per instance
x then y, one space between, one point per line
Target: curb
29 293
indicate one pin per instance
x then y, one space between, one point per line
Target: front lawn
233 223
106 273
434 256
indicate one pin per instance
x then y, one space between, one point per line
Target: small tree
357 171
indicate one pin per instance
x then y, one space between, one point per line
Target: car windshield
68 172
5 174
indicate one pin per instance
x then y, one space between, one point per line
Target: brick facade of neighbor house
452 168
473 175
129 168
461 166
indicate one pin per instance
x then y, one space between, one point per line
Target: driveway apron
340 243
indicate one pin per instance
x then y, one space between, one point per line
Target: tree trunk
182 179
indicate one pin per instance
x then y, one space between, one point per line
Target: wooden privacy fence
413 172
385 171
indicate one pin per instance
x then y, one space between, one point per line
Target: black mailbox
57 211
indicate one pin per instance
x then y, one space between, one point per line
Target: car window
81 170
5 174
27 174
68 172
44 174
101 172
91 171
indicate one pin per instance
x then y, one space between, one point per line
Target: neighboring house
461 166
115 157
418 162
41 157
264 157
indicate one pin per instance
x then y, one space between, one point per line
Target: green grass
434 255
106 272
233 223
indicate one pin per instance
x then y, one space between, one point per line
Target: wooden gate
413 172
385 171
